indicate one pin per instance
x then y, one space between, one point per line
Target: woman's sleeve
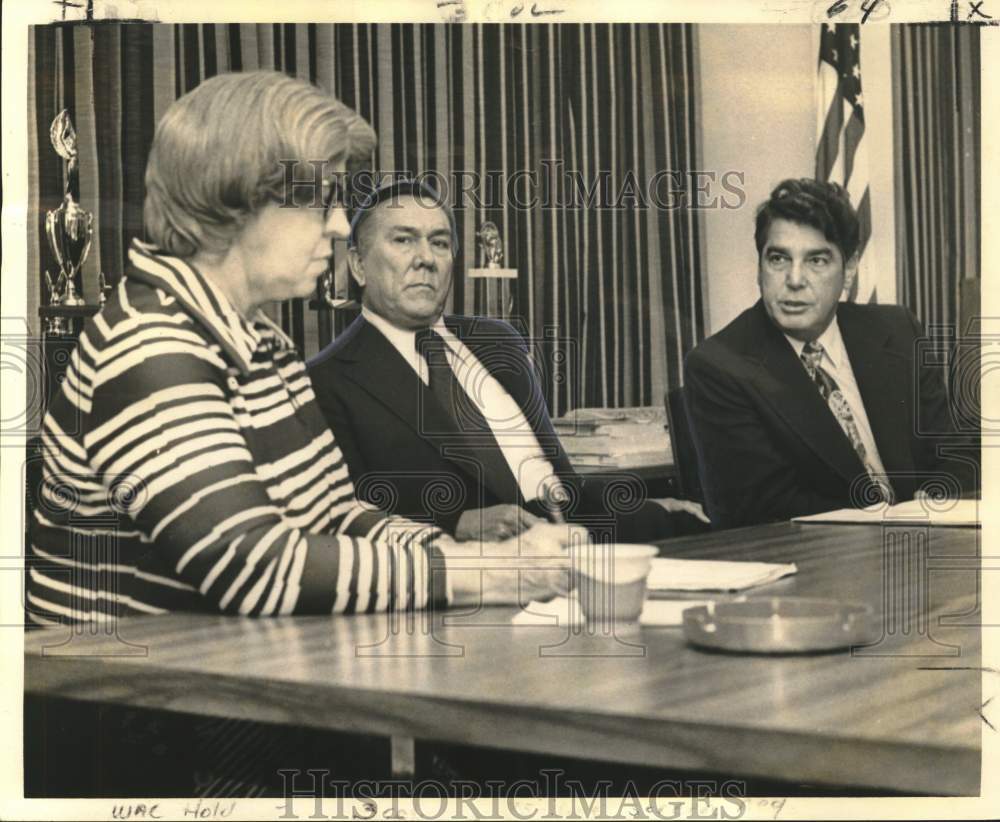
163 428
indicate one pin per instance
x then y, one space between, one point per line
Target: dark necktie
812 356
475 437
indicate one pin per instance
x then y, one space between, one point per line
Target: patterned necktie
812 355
478 441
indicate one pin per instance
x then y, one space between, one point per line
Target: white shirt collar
392 331
404 339
831 340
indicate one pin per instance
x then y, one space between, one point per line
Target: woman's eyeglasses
334 193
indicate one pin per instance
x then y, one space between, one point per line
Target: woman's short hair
821 205
225 149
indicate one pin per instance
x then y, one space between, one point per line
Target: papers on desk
567 611
961 513
615 437
608 421
666 575
713 575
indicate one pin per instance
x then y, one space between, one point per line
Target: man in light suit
805 404
441 417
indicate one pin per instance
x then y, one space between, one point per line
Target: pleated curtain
609 292
936 71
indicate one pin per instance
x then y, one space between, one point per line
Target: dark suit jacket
400 444
770 449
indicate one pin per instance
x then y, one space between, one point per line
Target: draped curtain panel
936 72
553 132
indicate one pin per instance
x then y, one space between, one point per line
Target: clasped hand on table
534 564
499 522
505 554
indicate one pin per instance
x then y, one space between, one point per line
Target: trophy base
78 311
500 273
334 305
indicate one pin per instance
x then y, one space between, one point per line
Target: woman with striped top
186 464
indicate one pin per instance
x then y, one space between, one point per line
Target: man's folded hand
494 524
686 506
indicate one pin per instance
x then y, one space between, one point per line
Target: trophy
501 303
489 238
328 288
334 286
103 287
69 228
55 325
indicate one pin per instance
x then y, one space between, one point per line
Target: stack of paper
615 437
608 459
567 611
713 575
640 443
609 420
962 513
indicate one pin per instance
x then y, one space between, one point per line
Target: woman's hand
533 565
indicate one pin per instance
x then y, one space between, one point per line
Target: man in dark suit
442 418
805 404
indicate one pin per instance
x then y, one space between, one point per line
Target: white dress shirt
836 363
518 443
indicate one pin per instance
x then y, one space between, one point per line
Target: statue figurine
489 238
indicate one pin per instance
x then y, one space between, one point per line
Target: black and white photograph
498 410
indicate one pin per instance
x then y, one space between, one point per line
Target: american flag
841 156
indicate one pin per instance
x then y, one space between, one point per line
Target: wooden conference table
901 715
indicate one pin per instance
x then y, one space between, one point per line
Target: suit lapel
783 382
504 361
880 373
509 365
506 364
377 368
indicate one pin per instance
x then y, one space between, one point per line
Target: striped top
186 466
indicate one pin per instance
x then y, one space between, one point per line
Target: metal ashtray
779 625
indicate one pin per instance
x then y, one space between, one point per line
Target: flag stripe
841 156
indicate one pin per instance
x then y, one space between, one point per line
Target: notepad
566 611
713 575
961 513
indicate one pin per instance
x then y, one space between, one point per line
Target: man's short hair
824 206
390 193
216 156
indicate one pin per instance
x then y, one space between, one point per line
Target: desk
906 723
656 470
658 479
